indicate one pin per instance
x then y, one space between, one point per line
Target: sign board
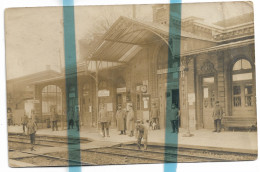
121 90
103 93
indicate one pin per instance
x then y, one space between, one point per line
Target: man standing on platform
24 121
31 131
120 117
174 118
217 116
104 121
71 118
142 131
130 121
54 118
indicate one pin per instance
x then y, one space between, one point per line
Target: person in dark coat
130 121
104 121
120 117
217 116
31 131
24 121
174 118
71 118
142 132
54 118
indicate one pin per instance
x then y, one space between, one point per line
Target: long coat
32 127
217 112
120 117
173 114
130 121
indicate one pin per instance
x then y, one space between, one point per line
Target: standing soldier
104 121
142 131
76 117
31 130
217 116
155 115
174 118
130 121
54 118
24 121
120 117
71 118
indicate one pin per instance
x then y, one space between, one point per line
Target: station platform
229 140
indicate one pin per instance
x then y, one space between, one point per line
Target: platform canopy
126 37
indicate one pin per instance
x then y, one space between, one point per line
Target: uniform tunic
130 120
103 116
120 117
217 113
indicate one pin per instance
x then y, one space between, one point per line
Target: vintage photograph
151 84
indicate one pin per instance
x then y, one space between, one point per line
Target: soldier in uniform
217 116
31 130
24 121
54 118
142 131
174 118
71 118
104 121
130 121
120 117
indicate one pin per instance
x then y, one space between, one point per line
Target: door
208 101
175 97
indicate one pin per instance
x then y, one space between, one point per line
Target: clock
143 88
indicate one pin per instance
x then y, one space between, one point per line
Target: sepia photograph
131 84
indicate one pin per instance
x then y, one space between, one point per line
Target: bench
240 122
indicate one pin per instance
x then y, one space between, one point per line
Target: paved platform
244 141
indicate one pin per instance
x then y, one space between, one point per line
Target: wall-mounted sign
103 93
121 90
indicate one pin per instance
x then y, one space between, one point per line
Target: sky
34 36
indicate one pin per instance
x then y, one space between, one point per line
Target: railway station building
133 63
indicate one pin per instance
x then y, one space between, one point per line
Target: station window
242 78
51 95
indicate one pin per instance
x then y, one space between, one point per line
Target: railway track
120 154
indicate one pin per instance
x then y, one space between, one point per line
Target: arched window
51 95
242 84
